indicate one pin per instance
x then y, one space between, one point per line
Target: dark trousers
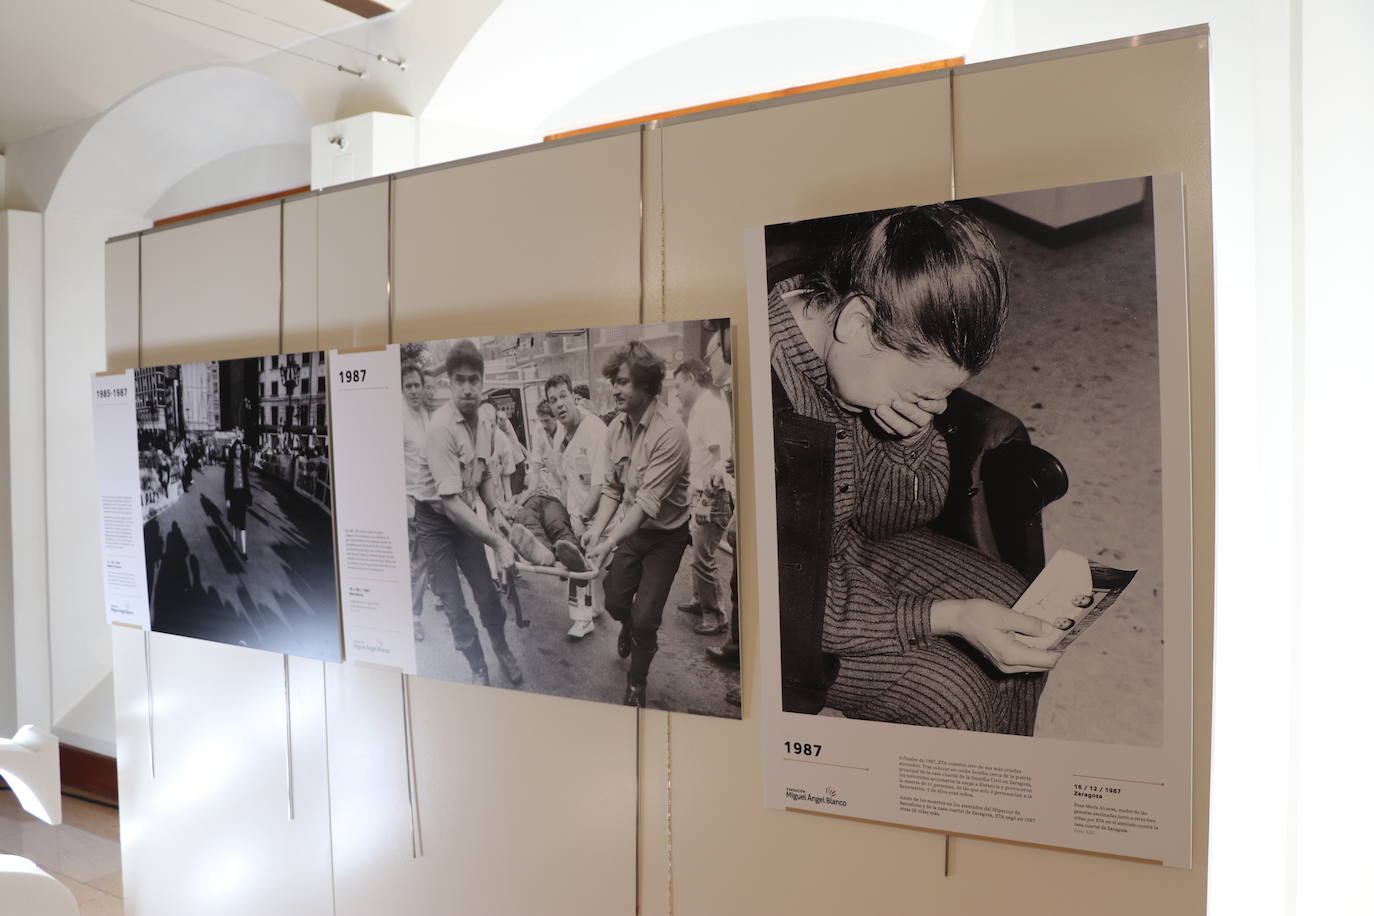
637 585
448 550
547 518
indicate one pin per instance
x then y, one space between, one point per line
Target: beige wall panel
212 290
508 786
212 832
840 154
121 304
349 269
545 239
508 782
721 176
1135 111
234 742
300 317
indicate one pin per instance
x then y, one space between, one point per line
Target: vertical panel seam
281 279
328 782
1298 286
391 259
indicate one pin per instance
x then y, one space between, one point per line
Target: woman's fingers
1015 657
902 419
989 628
914 413
895 423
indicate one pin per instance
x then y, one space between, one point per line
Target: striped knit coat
887 568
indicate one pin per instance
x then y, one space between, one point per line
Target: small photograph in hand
233 459
570 498
958 391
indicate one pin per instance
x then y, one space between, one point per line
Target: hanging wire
267 44
333 41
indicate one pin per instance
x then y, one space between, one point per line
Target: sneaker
528 546
509 666
570 555
727 656
635 695
581 628
480 677
712 622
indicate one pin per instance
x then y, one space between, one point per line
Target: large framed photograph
976 559
234 485
563 515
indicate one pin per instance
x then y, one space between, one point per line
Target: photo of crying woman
909 508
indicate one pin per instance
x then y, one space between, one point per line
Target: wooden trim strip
364 8
764 96
978 836
262 198
88 775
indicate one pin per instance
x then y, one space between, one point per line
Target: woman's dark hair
933 276
464 355
643 367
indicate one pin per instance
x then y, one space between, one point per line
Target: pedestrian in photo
581 444
543 470
238 491
458 480
647 458
709 431
415 424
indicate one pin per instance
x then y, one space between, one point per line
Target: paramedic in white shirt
710 433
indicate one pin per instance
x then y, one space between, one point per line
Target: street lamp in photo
290 377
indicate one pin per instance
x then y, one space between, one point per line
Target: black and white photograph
233 459
959 391
570 505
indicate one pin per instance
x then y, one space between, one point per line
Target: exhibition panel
300 279
1076 117
551 236
379 783
212 289
551 539
538 240
1029 425
352 273
721 176
121 303
255 769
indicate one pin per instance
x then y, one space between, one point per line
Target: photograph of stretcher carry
571 502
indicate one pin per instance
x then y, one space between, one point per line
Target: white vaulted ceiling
65 60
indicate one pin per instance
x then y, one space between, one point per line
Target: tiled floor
82 853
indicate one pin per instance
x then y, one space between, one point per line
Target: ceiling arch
156 136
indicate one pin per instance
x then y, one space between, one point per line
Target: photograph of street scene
570 497
233 459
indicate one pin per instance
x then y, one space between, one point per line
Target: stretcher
513 593
559 571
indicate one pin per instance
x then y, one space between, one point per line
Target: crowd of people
611 502
166 467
